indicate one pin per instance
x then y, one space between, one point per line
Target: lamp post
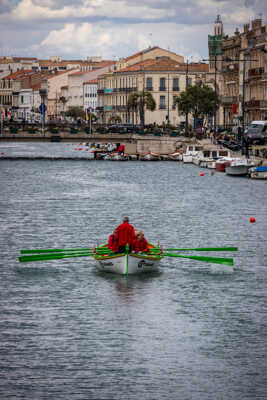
43 94
168 114
143 100
186 86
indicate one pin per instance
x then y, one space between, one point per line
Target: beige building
164 78
241 74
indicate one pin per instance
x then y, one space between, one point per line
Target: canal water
195 330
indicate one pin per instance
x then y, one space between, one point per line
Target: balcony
162 107
100 108
229 100
108 90
100 91
162 88
175 89
149 88
252 103
255 72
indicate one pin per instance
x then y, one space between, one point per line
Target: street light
43 94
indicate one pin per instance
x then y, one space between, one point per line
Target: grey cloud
7 5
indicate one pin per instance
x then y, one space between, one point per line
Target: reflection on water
194 330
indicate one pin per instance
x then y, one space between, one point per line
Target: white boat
127 264
190 152
177 156
258 172
150 157
238 167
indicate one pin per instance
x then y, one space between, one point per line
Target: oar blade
214 260
44 257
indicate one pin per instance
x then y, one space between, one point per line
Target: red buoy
252 219
202 174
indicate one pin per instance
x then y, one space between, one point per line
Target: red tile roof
19 74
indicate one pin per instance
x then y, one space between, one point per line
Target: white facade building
90 95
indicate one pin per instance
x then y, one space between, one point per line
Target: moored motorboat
222 163
191 151
128 264
258 172
237 167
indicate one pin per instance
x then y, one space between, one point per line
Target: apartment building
90 99
163 78
241 73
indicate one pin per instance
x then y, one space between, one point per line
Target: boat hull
237 170
136 264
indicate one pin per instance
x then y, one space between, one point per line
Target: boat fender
252 219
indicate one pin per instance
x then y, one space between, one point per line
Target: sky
112 29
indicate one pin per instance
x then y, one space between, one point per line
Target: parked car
256 132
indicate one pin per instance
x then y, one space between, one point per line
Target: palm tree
138 101
63 100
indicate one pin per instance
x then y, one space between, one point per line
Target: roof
92 81
164 64
19 74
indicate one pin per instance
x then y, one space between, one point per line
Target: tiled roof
164 64
92 81
140 53
19 74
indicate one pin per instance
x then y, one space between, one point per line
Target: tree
197 100
115 118
63 100
75 112
138 101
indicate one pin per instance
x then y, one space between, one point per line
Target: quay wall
134 144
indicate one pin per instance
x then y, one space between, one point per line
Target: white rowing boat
127 264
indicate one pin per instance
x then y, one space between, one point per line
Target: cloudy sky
117 28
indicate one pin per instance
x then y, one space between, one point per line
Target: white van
256 132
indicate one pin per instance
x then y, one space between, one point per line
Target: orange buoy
252 219
202 174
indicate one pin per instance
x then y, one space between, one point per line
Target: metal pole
215 100
243 99
143 101
186 115
168 117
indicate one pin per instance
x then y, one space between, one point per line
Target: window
175 84
162 84
149 84
162 102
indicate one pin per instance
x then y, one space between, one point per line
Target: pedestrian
124 235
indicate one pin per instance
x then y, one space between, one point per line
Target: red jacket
140 245
113 243
124 234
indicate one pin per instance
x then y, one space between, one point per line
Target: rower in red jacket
124 235
113 243
140 244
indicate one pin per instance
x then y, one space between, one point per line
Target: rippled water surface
192 331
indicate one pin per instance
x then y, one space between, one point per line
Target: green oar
215 260
43 251
202 249
40 257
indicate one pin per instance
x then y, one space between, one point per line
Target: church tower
218 26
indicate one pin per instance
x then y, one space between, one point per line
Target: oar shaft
215 260
203 249
49 251
40 257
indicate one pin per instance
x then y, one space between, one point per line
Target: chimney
246 28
